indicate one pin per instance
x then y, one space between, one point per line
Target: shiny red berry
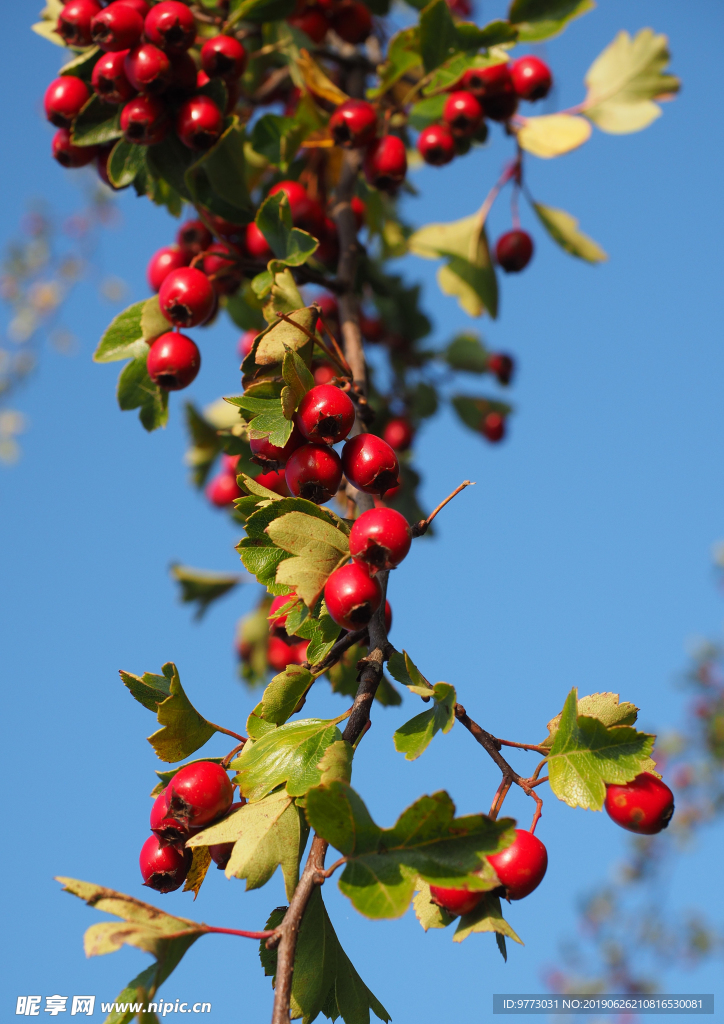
163 826
164 868
399 434
199 793
222 267
148 68
493 427
328 309
256 244
306 212
645 805
194 237
492 81
436 145
455 901
118 27
69 155
171 26
138 5
186 297
313 22
353 124
385 163
502 366
514 250
325 414
268 455
531 77
314 472
522 865
109 78
199 123
221 852
144 120
380 538
370 464
173 361
74 22
352 596
64 98
171 257
223 490
274 481
223 57
462 113
352 21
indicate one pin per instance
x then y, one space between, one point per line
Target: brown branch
525 746
235 931
227 760
502 791
371 672
419 528
347 266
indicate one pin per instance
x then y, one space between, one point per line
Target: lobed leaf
197 872
317 547
603 706
486 917
466 352
438 35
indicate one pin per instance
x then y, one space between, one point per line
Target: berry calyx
256 244
171 26
186 297
352 596
199 793
148 68
223 57
532 79
194 237
144 120
385 163
494 86
69 155
353 124
173 361
274 481
270 456
455 901
514 250
352 21
306 212
399 434
164 868
223 490
645 805
313 22
74 22
522 865
314 472
199 123
109 78
163 262
118 27
493 427
63 100
436 145
462 113
164 827
380 538
501 366
370 464
325 414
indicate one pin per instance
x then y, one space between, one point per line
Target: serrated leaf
586 754
563 229
486 917
125 162
218 177
603 706
153 322
197 872
284 693
82 65
624 81
405 671
414 737
553 134
317 547
322 634
123 338
202 588
426 112
281 335
542 19
336 812
428 913
256 727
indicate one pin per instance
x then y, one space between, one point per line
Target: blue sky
581 558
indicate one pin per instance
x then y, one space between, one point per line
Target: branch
235 931
228 732
419 528
342 645
347 266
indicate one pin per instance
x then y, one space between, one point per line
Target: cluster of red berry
349 19
146 69
197 796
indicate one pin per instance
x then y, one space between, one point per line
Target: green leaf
336 763
297 376
169 160
201 588
324 980
289 755
123 338
438 35
553 134
268 834
403 54
125 162
273 343
414 737
317 547
469 274
136 390
82 65
218 178
245 309
495 33
322 634
603 706
466 352
426 841
486 917
184 729
541 19
624 81
405 671
450 73
428 913
277 139
256 727
427 112
563 229
289 244
586 754
268 420
93 126
284 693
472 410
153 322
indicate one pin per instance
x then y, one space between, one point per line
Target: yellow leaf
553 135
316 80
563 229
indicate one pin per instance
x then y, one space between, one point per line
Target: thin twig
328 872
227 760
342 645
500 794
420 527
524 746
235 931
228 732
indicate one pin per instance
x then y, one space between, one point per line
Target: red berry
372 328
194 237
385 163
69 155
353 124
148 68
164 868
227 229
277 622
388 617
223 490
173 361
502 366
323 373
144 120
313 22
109 78
118 27
199 793
522 865
274 481
221 852
306 212
138 5
513 250
256 244
380 538
352 596
222 267
359 209
352 21
436 145
63 100
279 654
171 26
199 122
74 22
186 297
456 901
246 343
370 464
223 57
325 414
164 827
399 434
645 805
492 81
229 463
269 456
462 113
171 257
493 427
462 8
314 472
531 77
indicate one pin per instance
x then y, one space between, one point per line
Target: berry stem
502 791
523 746
237 931
228 732
421 527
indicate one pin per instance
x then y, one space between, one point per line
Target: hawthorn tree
164 97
